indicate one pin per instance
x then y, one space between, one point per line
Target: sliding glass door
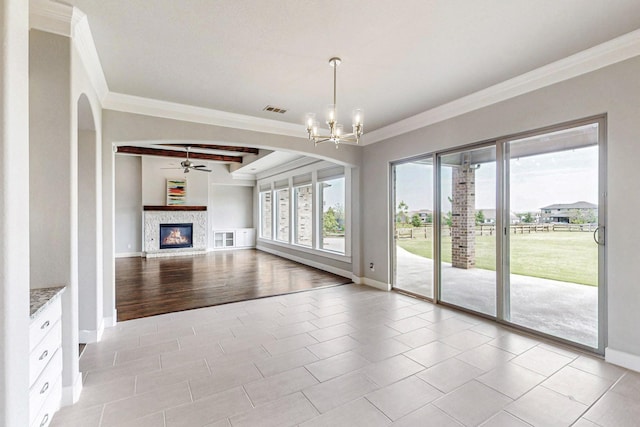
552 239
413 226
468 229
517 232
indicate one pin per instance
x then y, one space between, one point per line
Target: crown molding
600 56
68 21
171 110
83 41
52 17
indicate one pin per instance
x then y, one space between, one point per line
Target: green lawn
565 256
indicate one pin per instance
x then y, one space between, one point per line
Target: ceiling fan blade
170 168
200 169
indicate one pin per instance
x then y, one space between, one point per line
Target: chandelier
336 130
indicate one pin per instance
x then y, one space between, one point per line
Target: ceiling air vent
274 109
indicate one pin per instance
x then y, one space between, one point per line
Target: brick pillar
463 218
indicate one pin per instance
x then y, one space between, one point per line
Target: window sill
308 250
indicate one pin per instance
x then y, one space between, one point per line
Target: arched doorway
90 289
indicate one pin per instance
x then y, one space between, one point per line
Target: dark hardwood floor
146 287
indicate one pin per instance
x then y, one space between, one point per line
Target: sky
536 181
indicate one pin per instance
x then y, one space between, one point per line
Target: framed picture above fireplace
176 191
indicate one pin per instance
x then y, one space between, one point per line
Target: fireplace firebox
174 236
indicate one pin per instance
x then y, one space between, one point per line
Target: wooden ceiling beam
218 147
145 151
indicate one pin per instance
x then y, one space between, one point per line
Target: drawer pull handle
45 325
44 420
45 387
44 354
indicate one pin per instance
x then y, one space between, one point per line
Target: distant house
490 216
426 216
564 212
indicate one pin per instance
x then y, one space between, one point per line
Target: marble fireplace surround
156 215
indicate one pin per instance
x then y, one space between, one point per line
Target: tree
448 219
416 221
339 214
528 218
582 216
329 221
480 217
402 213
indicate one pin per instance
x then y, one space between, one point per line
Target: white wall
14 212
155 172
613 90
128 204
231 206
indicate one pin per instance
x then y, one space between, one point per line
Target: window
265 214
307 209
332 201
282 215
304 215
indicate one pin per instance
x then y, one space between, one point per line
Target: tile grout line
609 389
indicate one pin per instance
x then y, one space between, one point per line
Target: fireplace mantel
174 208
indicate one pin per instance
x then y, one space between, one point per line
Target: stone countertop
40 298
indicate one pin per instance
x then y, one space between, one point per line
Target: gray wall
128 204
614 90
51 167
231 207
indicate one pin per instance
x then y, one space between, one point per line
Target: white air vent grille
274 109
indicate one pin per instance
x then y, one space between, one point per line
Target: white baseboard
71 394
88 336
128 255
374 283
318 265
622 358
110 322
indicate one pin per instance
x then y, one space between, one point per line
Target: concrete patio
565 310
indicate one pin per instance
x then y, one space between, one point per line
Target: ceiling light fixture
336 130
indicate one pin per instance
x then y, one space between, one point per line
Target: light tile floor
343 356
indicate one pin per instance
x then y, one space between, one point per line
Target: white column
14 212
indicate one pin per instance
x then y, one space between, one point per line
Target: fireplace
176 236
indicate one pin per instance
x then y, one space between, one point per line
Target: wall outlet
372 266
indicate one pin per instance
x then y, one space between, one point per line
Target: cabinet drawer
51 405
44 385
44 322
43 352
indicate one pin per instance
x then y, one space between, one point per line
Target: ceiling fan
188 165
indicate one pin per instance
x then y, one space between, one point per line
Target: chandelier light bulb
310 120
358 115
331 113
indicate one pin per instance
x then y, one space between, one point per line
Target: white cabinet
223 239
245 237
45 363
236 238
